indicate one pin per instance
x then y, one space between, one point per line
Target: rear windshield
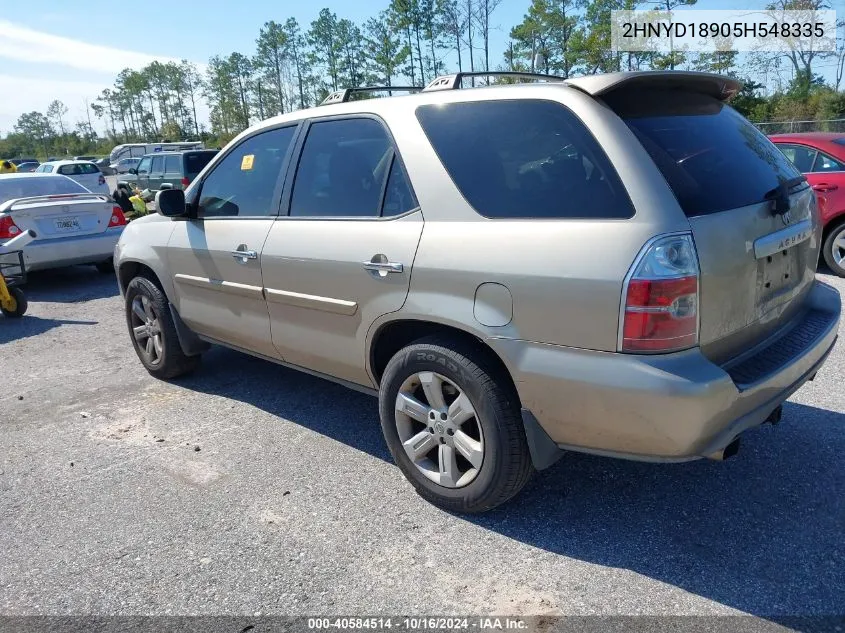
79 169
14 188
195 161
712 157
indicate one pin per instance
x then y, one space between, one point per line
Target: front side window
244 182
342 170
524 159
158 165
800 156
144 165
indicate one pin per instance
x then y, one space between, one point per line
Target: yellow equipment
13 302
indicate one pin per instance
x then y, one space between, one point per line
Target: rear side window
825 163
196 161
79 169
524 159
712 157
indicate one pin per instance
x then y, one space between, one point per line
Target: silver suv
618 264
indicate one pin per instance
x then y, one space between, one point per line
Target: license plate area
67 224
778 276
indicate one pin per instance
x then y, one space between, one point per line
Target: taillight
102 179
7 228
185 182
661 298
117 217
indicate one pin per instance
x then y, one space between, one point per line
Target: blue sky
72 50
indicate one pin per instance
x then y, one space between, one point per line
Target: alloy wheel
439 429
146 328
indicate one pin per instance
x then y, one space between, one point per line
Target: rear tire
834 249
21 304
153 332
487 451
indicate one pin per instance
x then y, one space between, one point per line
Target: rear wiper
780 194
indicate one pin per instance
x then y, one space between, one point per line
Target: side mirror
171 203
132 170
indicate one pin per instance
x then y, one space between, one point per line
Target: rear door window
711 156
342 170
524 159
825 164
171 164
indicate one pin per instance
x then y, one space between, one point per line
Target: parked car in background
176 169
137 150
91 158
25 168
72 225
84 172
820 156
104 166
19 161
125 164
618 264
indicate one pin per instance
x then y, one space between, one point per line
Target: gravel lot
249 488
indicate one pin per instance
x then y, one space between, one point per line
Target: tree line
410 42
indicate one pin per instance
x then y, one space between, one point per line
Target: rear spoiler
71 197
710 84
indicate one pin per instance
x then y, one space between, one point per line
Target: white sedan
84 172
71 224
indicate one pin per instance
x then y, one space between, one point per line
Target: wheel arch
391 336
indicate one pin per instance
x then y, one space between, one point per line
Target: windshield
14 188
711 156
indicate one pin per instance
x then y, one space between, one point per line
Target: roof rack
453 81
342 96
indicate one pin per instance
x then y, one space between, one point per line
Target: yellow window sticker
246 162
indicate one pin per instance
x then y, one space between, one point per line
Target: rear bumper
671 407
66 251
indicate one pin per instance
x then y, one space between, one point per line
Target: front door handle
823 187
243 253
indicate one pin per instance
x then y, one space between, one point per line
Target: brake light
102 179
185 182
117 217
661 298
7 228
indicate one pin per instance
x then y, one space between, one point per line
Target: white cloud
24 44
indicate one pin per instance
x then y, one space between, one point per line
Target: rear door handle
383 267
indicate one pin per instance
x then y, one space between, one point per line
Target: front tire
451 419
834 250
19 309
153 332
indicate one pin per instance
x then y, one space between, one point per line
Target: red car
820 156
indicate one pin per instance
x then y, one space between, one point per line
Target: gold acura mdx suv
618 264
